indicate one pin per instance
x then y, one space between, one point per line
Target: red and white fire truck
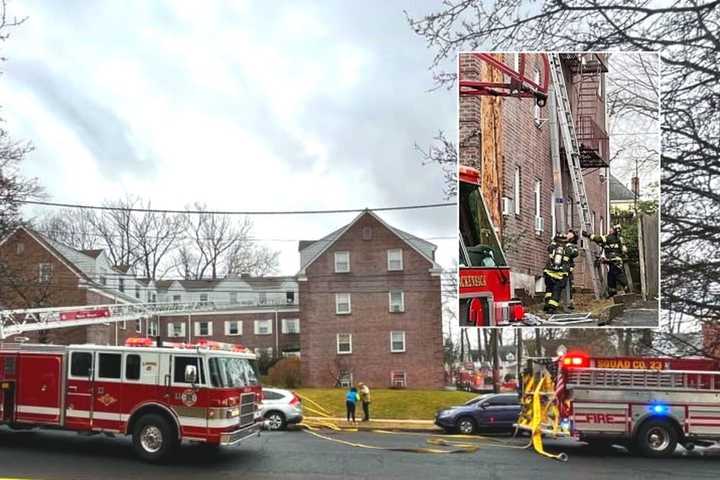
159 394
486 298
649 405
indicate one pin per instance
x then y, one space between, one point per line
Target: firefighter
613 250
561 253
572 237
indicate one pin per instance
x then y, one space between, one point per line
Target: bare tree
687 34
444 153
69 226
155 236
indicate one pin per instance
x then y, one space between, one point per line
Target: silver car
280 408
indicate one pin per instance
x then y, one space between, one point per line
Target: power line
230 212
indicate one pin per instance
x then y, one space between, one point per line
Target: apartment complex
371 304
509 140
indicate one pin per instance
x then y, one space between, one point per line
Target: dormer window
342 262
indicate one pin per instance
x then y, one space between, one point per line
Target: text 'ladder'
572 152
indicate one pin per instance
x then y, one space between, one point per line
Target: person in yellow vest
613 253
365 399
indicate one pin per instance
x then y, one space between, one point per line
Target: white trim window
536 107
138 326
176 329
344 343
264 351
203 329
19 248
290 326
343 304
121 284
538 212
395 260
263 327
233 328
152 328
137 291
516 190
177 298
45 271
203 298
342 262
397 342
398 379
396 301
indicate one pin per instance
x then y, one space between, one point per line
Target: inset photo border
559 189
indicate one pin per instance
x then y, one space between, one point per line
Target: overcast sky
240 105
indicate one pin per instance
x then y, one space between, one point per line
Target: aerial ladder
19 321
572 152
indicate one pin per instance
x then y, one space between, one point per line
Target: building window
395 259
177 298
398 379
45 271
539 227
263 327
137 291
203 298
176 329
342 303
262 298
264 352
290 326
123 324
516 191
233 297
138 326
342 262
154 298
290 297
152 328
345 378
203 329
344 343
121 284
19 248
397 342
233 327
103 281
536 107
397 301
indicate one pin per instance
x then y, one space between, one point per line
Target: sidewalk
382 424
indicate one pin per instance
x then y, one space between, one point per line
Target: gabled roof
198 284
619 192
314 249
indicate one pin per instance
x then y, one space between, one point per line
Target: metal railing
643 379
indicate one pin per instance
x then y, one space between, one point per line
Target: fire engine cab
485 289
159 394
648 404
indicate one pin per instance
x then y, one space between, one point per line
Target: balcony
585 62
594 143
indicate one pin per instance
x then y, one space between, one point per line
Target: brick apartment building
371 308
508 140
265 313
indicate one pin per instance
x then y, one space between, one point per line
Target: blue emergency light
659 409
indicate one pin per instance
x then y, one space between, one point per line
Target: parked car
485 412
280 408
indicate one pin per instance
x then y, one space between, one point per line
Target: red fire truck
649 405
159 394
485 288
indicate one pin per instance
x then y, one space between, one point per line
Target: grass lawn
390 404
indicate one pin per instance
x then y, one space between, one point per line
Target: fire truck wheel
656 438
275 421
154 438
466 425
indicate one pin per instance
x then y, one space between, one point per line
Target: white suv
280 408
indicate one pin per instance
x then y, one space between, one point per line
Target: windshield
232 372
479 243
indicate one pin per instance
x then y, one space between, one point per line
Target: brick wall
370 323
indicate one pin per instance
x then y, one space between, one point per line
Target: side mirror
190 374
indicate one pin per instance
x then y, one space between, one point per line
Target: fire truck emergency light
576 360
659 409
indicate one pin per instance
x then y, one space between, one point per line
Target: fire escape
587 70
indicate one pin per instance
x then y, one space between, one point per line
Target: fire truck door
190 401
141 380
79 395
107 393
38 391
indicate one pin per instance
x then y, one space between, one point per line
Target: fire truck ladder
14 322
572 151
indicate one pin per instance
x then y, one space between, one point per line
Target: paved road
298 455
